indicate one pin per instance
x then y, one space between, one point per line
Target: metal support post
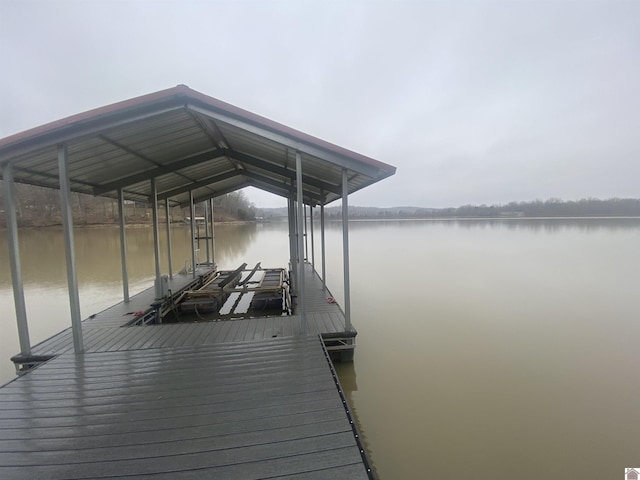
291 215
306 236
313 248
67 224
192 210
301 300
123 247
167 210
14 259
345 250
156 236
206 230
213 237
322 248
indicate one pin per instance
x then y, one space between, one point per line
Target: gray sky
474 102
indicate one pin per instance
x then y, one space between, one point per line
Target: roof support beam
210 129
365 169
163 170
217 193
52 176
268 188
130 151
282 189
200 183
291 174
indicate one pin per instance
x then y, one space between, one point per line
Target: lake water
487 349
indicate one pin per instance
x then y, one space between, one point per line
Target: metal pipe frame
306 236
167 210
301 299
123 247
156 236
192 212
14 259
213 236
206 230
67 224
345 250
322 248
292 243
313 248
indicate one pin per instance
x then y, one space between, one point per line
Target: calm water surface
488 349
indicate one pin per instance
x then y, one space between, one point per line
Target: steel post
67 224
206 230
192 212
345 249
123 247
156 236
301 299
213 236
167 210
293 262
322 248
306 236
14 259
313 248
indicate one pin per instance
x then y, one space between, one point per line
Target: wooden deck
236 399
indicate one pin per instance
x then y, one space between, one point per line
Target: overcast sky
474 102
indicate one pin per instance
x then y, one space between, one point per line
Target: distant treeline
38 206
588 207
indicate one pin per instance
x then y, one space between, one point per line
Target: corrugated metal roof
186 141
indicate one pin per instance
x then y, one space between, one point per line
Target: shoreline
56 226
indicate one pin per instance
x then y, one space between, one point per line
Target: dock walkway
267 409
236 399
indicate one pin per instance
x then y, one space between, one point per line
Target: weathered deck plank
244 410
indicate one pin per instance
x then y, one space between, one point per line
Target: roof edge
93 114
180 95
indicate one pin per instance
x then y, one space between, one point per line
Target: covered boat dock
173 393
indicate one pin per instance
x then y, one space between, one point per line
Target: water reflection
98 253
547 225
349 382
492 348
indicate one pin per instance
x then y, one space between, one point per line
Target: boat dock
109 330
246 398
124 394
